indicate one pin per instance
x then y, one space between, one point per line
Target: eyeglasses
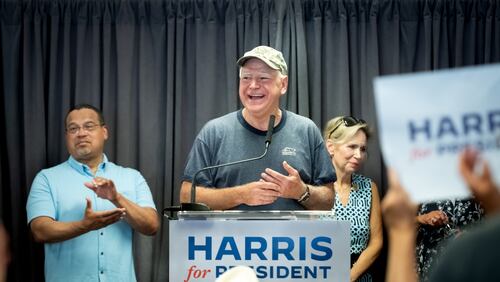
88 127
348 121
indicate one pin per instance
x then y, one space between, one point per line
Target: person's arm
142 219
321 197
47 230
252 194
368 256
292 187
399 217
432 218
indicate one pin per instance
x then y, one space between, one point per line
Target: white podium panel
280 247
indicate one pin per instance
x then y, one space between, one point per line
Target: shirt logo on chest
287 151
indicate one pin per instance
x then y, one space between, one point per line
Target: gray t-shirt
229 138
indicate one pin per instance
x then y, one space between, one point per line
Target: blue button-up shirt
99 255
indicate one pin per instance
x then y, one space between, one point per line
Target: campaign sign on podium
279 246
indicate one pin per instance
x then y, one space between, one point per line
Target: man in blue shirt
85 209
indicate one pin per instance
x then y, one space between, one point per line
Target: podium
278 245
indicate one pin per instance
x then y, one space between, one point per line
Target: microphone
270 130
193 206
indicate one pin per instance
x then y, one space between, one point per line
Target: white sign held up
427 119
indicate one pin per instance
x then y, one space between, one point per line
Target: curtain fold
160 69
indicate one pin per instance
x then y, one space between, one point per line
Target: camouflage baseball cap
272 57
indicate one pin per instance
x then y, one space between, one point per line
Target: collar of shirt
85 169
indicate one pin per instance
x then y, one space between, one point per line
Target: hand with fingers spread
48 230
290 186
104 188
480 183
260 193
94 220
142 219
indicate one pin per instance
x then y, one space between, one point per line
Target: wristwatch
304 196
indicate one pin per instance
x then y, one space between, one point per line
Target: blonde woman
356 196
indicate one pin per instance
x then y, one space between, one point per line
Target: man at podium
296 172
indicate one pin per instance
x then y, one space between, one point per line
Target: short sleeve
323 168
143 193
40 199
198 158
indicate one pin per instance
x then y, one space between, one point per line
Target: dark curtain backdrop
160 69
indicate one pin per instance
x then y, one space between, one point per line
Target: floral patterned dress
430 240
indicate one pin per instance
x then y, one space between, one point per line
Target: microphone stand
193 205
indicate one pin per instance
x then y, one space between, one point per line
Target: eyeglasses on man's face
88 127
348 121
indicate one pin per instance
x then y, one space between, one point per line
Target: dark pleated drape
160 69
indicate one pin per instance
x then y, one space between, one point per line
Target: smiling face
348 157
261 88
85 136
